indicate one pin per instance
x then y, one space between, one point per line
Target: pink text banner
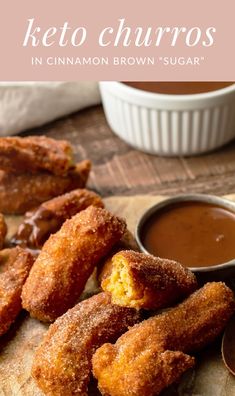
166 40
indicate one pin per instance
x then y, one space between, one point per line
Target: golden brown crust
105 270
155 371
15 265
139 280
50 215
3 230
35 153
62 364
188 327
73 202
67 260
22 192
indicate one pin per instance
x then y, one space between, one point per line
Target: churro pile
117 336
35 169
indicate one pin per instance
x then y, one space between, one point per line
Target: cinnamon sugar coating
25 191
3 230
35 153
15 265
62 364
50 215
139 281
137 365
67 260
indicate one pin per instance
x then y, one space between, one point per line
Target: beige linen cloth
25 105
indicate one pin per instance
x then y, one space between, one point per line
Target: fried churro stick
15 265
22 192
146 359
67 260
139 280
3 230
62 364
49 216
35 153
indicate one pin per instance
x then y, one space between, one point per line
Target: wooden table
118 169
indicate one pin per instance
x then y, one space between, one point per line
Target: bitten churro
49 216
149 356
15 265
67 260
127 242
139 280
3 230
22 192
35 153
62 364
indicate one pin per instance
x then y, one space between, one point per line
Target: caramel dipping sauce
177 87
197 234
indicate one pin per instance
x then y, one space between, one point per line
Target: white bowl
170 124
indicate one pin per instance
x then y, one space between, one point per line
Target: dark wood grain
119 169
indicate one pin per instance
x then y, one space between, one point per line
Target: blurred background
73 111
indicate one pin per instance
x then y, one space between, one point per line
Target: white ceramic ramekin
170 124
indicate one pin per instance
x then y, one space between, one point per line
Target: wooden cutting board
209 378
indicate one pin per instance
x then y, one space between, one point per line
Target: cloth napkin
26 105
